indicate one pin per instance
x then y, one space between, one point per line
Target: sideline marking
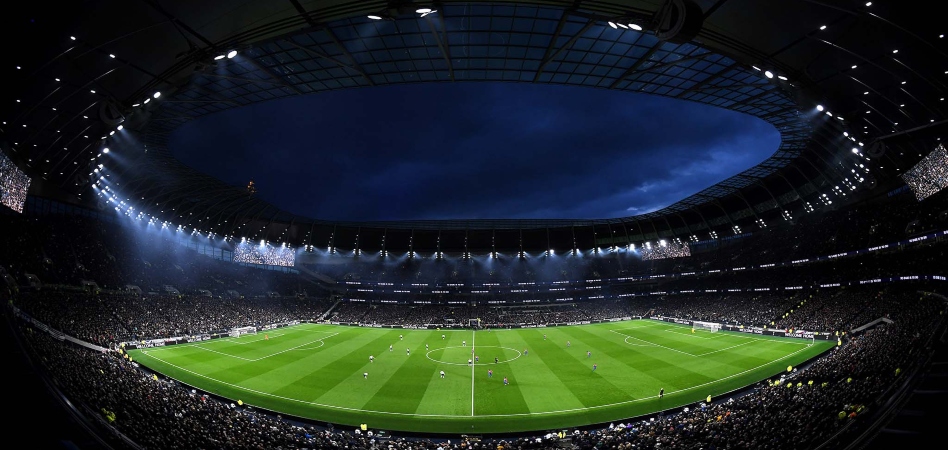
198 345
392 413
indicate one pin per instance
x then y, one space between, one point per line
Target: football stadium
529 224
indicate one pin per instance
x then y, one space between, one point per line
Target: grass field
317 372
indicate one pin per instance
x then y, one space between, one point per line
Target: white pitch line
674 330
472 374
741 335
219 353
245 342
657 345
391 413
723 349
265 357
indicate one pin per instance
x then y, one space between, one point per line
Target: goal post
240 331
712 327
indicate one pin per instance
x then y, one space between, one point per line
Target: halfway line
472 373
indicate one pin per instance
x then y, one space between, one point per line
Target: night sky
474 151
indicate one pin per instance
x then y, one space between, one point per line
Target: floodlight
156 94
423 10
374 17
231 54
219 57
635 27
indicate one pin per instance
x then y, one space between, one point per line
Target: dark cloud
474 150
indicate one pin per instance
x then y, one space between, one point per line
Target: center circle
459 355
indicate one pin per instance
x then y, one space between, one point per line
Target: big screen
14 184
930 175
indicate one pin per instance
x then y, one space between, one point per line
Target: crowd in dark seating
820 233
802 409
806 407
107 319
67 250
484 315
749 309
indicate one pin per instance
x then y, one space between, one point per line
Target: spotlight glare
769 74
635 27
374 17
423 10
231 54
156 94
219 57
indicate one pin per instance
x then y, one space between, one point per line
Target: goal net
706 326
236 332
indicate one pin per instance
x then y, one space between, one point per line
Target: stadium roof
876 69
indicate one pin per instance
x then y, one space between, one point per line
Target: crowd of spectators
110 318
820 233
484 315
216 296
805 407
70 250
107 319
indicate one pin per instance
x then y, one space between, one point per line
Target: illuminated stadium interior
827 256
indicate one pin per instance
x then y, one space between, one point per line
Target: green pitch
319 372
